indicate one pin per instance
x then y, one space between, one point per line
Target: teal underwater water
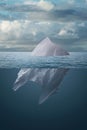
66 110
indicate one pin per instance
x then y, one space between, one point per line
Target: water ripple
24 60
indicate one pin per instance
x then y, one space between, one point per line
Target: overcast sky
24 23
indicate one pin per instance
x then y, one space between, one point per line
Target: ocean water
24 59
65 110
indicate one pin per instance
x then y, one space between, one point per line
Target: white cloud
6 26
62 32
34 32
68 31
30 2
13 29
22 29
45 5
71 2
44 23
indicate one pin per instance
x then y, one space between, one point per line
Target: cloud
29 2
71 2
24 35
16 46
54 15
62 32
45 5
28 6
7 26
44 10
42 4
9 30
69 31
24 24
23 29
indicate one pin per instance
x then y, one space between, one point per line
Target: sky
24 23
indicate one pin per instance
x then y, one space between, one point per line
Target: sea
25 60
65 110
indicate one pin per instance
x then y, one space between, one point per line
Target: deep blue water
65 110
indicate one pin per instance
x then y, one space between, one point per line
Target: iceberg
47 48
49 79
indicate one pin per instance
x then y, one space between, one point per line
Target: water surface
23 60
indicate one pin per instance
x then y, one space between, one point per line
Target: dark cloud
34 12
18 8
55 15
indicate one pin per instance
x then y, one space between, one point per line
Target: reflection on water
48 79
65 110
